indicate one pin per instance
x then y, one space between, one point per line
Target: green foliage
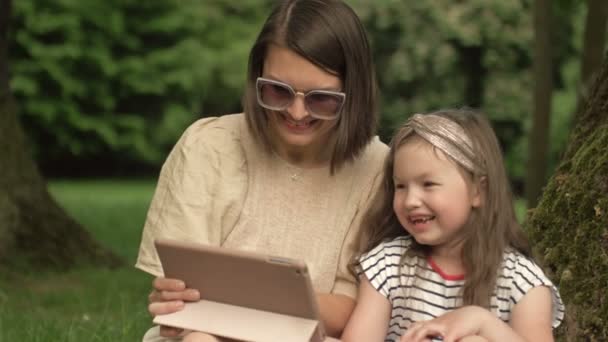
439 53
88 304
125 77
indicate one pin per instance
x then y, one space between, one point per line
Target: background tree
541 114
32 226
569 227
594 42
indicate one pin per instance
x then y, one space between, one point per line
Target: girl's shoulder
517 267
389 248
519 274
514 261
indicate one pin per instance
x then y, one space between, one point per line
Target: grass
87 304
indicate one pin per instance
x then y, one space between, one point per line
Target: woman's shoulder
374 153
214 141
216 130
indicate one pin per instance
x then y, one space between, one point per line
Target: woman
290 176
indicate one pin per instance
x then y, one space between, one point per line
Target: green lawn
90 304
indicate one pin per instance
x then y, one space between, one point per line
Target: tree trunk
569 228
593 45
543 88
32 226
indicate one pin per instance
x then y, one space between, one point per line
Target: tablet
245 295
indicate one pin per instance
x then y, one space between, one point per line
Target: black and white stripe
418 293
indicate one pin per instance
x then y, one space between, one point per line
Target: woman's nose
297 110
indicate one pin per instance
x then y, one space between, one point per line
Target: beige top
218 186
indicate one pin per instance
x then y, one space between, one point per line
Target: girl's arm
530 321
369 321
335 309
532 317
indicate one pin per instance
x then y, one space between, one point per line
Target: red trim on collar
443 275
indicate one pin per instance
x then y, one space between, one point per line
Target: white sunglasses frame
261 81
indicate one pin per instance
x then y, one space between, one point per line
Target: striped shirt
419 291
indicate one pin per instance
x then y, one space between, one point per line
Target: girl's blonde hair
491 229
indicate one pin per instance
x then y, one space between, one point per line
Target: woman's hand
168 296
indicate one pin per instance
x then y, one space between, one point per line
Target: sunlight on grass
113 210
88 304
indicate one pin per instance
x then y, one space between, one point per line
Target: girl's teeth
422 220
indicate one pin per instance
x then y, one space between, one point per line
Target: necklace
295 176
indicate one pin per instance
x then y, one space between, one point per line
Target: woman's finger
168 284
189 295
163 308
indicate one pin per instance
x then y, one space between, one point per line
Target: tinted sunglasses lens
275 95
324 105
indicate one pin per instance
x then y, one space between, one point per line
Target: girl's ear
478 191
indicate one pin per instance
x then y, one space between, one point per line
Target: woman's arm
369 321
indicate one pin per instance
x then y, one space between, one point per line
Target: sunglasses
320 104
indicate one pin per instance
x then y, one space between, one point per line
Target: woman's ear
478 189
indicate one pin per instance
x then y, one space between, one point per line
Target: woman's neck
312 156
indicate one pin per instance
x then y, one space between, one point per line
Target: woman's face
294 130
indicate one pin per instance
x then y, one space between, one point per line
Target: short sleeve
382 265
345 282
527 275
193 201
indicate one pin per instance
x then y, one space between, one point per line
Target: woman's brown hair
492 228
329 34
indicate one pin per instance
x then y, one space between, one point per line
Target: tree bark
33 227
543 88
569 228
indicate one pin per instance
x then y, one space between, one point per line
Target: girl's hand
452 326
168 296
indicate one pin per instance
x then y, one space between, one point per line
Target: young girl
445 257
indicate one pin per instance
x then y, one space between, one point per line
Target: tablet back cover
243 279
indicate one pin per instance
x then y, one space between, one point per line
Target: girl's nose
412 200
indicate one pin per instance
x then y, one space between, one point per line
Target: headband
446 135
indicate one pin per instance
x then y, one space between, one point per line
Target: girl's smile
420 220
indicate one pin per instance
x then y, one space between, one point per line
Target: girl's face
432 200
295 130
